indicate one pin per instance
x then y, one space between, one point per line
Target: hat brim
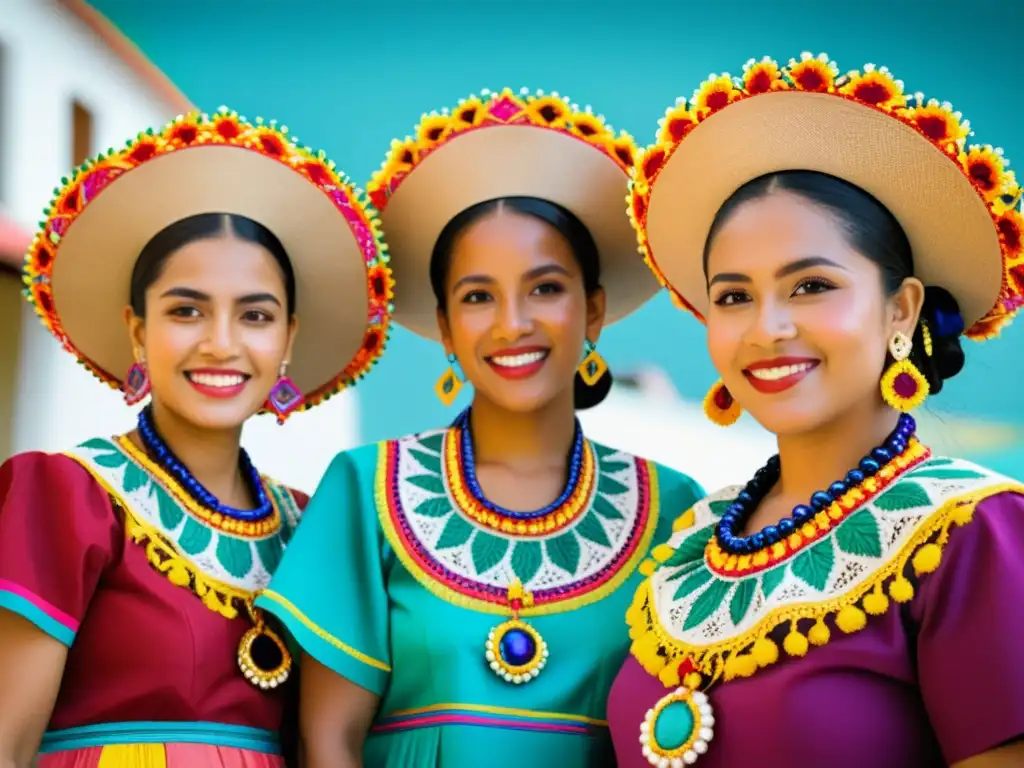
494 161
91 277
950 228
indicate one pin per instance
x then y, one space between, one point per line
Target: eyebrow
533 274
787 269
192 293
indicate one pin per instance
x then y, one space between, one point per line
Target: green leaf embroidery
858 535
98 444
740 603
814 564
487 551
718 507
456 532
905 495
235 555
430 462
946 474
693 582
708 602
270 551
771 579
611 487
526 560
430 483
684 569
110 460
433 442
436 507
135 478
603 451
564 551
613 466
170 512
591 529
194 538
606 509
692 547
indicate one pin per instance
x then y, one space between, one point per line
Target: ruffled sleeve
970 623
329 590
58 533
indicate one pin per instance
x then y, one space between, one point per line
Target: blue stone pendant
677 730
516 652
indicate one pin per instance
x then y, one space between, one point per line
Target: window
81 133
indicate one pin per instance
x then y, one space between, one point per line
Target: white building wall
52 58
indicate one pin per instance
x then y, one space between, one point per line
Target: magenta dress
908 679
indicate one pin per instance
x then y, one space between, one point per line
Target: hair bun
941 314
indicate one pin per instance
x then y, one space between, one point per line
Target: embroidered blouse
399 575
101 550
885 633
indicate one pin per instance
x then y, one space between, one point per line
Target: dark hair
150 264
874 232
581 243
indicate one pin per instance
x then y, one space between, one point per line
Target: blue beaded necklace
473 485
161 453
754 492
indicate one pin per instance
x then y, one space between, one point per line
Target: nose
770 324
513 321
221 340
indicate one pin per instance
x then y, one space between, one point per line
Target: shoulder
47 473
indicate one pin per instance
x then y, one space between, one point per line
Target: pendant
678 729
262 655
514 650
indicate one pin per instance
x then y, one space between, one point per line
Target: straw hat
78 270
958 205
501 145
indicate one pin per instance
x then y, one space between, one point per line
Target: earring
262 655
593 366
903 386
136 383
448 386
720 406
285 397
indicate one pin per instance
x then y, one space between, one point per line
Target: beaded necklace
161 453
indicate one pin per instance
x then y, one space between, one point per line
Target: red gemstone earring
903 386
285 397
136 383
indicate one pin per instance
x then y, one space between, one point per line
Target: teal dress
487 636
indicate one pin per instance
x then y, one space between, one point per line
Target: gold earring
262 655
593 366
720 406
903 386
448 386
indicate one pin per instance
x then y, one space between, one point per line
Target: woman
857 602
456 593
128 565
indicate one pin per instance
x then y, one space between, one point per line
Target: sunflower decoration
550 110
432 130
469 114
589 126
876 87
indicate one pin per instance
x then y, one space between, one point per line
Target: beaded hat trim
958 203
78 268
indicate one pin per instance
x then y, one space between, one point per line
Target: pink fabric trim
52 611
72 758
207 756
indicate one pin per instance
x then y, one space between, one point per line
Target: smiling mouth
774 376
779 372
217 380
518 364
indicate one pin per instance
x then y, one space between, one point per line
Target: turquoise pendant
677 730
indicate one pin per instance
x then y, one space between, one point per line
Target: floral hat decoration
504 144
958 204
79 266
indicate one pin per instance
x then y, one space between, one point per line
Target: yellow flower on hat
875 86
813 73
714 93
940 123
987 169
432 130
762 76
550 110
588 126
470 112
677 121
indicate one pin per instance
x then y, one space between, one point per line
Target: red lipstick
518 362
220 383
781 380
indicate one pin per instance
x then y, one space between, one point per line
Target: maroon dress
928 682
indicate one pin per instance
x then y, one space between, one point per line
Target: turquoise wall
349 78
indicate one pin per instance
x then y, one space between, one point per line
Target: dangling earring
285 397
262 655
903 386
593 366
720 406
136 383
449 385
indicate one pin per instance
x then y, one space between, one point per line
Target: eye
184 312
476 297
813 285
257 316
547 289
728 298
